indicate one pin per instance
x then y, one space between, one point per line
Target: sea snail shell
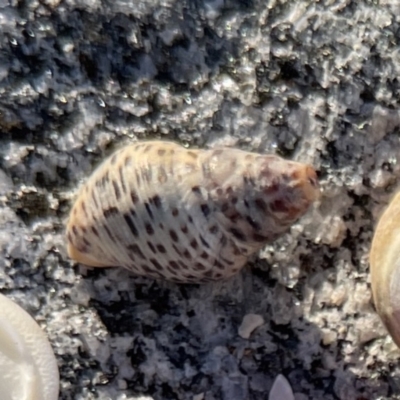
164 211
385 268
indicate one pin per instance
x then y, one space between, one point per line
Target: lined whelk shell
164 211
385 268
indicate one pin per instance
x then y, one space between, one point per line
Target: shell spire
186 215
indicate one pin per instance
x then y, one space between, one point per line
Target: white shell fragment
281 389
190 216
249 324
28 368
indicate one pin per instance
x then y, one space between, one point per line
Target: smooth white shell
28 368
385 268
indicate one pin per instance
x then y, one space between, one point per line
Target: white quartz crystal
249 324
281 389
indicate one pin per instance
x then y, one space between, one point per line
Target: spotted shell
385 268
164 211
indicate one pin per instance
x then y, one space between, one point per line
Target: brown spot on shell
156 201
110 212
131 225
149 228
261 205
161 248
152 248
205 209
136 250
173 235
186 254
149 211
134 197
174 265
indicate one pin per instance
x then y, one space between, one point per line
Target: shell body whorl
385 268
186 215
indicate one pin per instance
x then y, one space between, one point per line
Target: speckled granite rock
312 81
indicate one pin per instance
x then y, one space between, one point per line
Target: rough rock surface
312 81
